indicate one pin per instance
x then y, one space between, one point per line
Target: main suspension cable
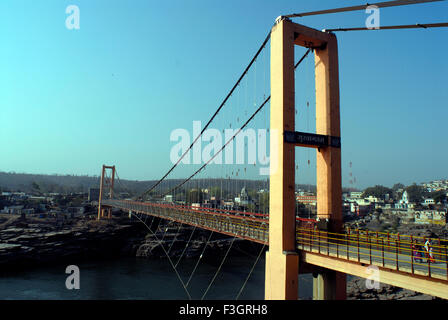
235 134
408 26
213 116
361 7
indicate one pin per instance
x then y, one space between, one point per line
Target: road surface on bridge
255 227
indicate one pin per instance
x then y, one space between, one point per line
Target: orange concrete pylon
282 259
329 284
106 184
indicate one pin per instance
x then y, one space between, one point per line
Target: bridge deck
393 254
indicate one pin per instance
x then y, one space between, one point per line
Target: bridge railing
250 226
393 251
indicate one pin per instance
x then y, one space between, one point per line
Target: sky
112 91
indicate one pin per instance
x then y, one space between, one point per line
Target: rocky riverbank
25 242
357 290
394 224
174 240
30 241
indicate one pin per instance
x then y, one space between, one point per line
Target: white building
374 199
356 195
430 217
404 202
12 209
244 198
76 211
428 201
27 211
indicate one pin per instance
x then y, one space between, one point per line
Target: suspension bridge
208 198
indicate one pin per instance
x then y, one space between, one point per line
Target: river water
134 278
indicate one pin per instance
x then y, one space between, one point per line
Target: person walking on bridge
428 248
427 245
418 254
431 256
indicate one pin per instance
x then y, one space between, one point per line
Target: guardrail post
359 257
347 242
446 259
428 260
370 247
311 240
398 236
377 242
412 254
396 254
429 266
318 239
388 240
382 250
337 245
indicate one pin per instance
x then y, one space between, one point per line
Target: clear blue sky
111 92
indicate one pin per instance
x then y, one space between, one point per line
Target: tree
439 196
397 187
377 191
264 202
194 196
35 186
252 193
416 193
216 192
179 195
251 207
61 201
301 210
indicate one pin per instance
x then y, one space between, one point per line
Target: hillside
25 182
